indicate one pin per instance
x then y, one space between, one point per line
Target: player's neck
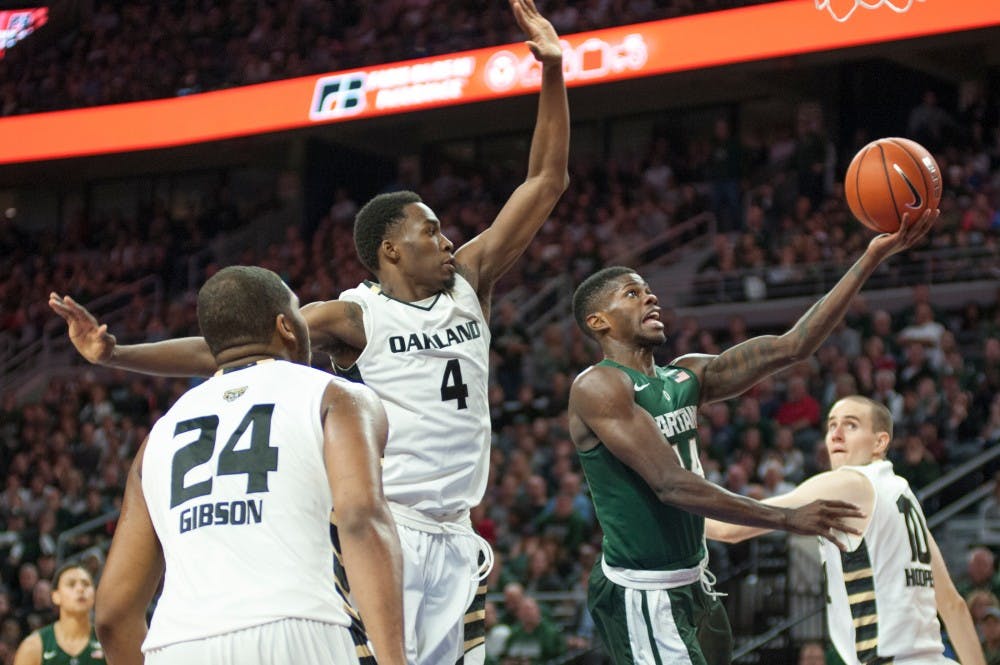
398 287
637 358
232 358
73 626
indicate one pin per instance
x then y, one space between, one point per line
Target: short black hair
65 568
238 305
375 219
589 294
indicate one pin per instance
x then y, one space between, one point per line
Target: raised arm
602 407
354 434
485 258
737 369
847 485
132 572
954 611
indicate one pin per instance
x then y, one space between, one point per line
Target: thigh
715 635
644 627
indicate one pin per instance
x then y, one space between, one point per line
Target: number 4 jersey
429 362
881 595
236 486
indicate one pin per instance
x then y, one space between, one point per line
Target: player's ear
597 322
882 441
283 326
389 250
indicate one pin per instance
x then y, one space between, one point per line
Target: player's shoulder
599 381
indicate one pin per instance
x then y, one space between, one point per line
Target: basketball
888 178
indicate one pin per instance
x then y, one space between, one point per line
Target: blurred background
722 185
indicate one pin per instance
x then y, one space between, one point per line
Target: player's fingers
837 503
529 7
833 539
840 525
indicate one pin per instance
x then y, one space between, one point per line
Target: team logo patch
234 394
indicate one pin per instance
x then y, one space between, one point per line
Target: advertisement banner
647 49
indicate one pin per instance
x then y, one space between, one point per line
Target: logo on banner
593 59
841 10
338 96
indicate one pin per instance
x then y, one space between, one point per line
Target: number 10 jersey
881 594
429 362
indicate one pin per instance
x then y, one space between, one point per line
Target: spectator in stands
916 464
980 573
510 342
513 595
990 627
533 640
926 331
496 634
800 412
929 124
772 477
978 601
916 365
811 653
989 515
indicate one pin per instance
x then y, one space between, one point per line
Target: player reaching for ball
650 594
883 597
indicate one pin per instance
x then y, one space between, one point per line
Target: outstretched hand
91 339
822 517
542 38
909 233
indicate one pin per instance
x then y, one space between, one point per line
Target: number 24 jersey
236 486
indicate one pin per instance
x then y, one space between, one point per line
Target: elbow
359 518
950 602
794 349
676 493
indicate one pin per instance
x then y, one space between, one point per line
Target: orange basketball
890 177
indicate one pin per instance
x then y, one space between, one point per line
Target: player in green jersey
71 640
650 594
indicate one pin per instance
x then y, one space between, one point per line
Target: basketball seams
859 160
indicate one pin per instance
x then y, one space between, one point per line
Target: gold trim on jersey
859 585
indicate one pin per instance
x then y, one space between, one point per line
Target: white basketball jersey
234 478
429 362
881 595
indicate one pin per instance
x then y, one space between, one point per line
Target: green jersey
52 653
640 531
